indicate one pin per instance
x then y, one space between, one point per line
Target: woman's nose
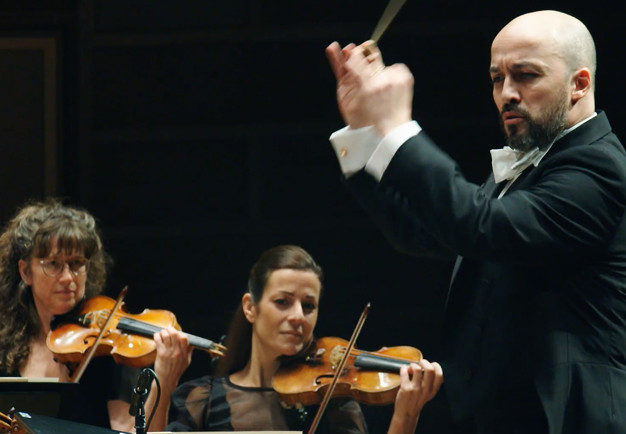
297 313
66 273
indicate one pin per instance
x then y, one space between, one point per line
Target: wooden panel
28 126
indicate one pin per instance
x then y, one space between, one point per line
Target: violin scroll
10 425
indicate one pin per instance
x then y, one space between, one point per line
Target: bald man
535 323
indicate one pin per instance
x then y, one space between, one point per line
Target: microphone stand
140 416
138 399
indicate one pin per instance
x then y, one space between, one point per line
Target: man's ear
24 268
581 84
249 308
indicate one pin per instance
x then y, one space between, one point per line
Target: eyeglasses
54 267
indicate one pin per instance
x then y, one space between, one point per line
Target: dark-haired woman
276 319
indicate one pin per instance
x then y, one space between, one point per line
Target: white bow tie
507 163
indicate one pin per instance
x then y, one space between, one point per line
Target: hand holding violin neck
133 346
369 377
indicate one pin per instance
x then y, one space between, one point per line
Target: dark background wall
196 132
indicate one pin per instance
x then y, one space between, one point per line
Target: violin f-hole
319 377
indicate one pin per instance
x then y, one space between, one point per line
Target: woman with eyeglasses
51 259
276 320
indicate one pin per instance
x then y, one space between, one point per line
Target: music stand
54 399
37 424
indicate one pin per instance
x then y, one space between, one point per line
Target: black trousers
516 412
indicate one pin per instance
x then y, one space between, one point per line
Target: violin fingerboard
141 328
377 363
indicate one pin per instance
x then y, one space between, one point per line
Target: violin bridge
336 354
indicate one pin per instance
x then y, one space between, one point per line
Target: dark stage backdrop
197 133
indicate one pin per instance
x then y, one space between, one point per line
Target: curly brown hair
30 233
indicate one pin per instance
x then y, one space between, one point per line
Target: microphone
140 392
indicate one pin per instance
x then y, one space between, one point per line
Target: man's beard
540 132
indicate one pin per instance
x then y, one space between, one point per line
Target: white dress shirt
365 148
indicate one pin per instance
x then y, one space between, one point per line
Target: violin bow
80 370
342 364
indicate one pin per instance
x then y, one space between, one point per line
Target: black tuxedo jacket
539 300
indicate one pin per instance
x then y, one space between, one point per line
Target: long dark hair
239 336
29 234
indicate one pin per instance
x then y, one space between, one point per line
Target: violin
128 337
9 424
5 423
368 377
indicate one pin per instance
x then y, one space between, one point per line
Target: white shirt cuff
354 147
388 146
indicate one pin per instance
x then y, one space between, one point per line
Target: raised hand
368 93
